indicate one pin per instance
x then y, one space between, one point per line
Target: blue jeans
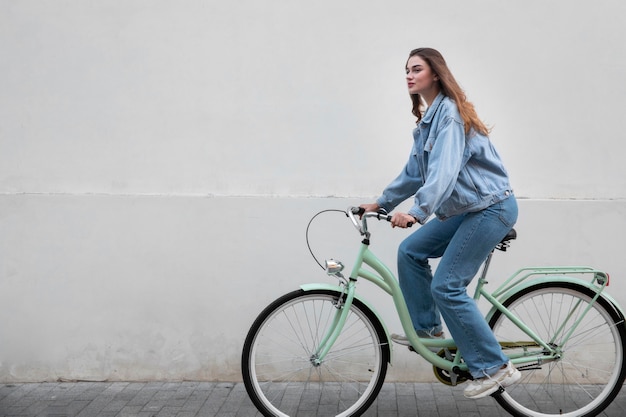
463 243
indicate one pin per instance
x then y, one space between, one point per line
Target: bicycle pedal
498 392
438 352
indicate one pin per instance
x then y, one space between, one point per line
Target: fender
556 279
331 287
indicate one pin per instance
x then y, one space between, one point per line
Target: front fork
342 304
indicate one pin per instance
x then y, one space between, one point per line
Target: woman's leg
475 238
414 273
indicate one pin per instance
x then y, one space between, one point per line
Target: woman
455 173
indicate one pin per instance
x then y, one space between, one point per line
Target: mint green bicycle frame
536 349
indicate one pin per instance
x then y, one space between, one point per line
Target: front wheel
590 338
282 374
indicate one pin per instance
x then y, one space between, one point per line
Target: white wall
159 160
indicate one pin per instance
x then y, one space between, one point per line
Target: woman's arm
444 165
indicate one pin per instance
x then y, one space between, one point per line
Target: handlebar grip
380 215
409 224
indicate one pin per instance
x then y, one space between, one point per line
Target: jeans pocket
508 211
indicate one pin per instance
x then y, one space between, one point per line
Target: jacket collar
432 109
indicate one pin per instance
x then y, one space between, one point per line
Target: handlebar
361 224
380 214
358 217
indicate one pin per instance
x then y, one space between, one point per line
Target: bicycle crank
452 378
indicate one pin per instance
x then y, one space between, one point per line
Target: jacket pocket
464 196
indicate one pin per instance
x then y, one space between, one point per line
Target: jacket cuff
419 215
384 204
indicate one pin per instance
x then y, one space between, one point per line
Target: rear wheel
282 374
590 371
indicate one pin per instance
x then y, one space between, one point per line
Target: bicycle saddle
504 243
512 235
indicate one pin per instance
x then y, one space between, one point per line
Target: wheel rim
588 374
282 367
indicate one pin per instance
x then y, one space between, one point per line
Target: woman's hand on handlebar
370 207
402 220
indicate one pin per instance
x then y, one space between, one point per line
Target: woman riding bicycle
453 172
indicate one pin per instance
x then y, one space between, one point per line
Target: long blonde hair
450 88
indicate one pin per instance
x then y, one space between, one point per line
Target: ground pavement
207 399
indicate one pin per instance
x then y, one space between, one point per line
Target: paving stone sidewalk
207 399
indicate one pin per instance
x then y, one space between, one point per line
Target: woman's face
420 78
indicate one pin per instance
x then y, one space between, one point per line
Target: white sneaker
483 387
403 340
400 339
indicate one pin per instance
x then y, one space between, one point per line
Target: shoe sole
405 342
506 382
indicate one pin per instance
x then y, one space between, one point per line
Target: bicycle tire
279 374
591 369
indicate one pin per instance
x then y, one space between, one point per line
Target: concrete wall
159 161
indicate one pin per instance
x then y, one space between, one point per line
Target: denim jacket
448 172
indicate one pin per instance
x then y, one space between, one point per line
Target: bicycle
323 345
